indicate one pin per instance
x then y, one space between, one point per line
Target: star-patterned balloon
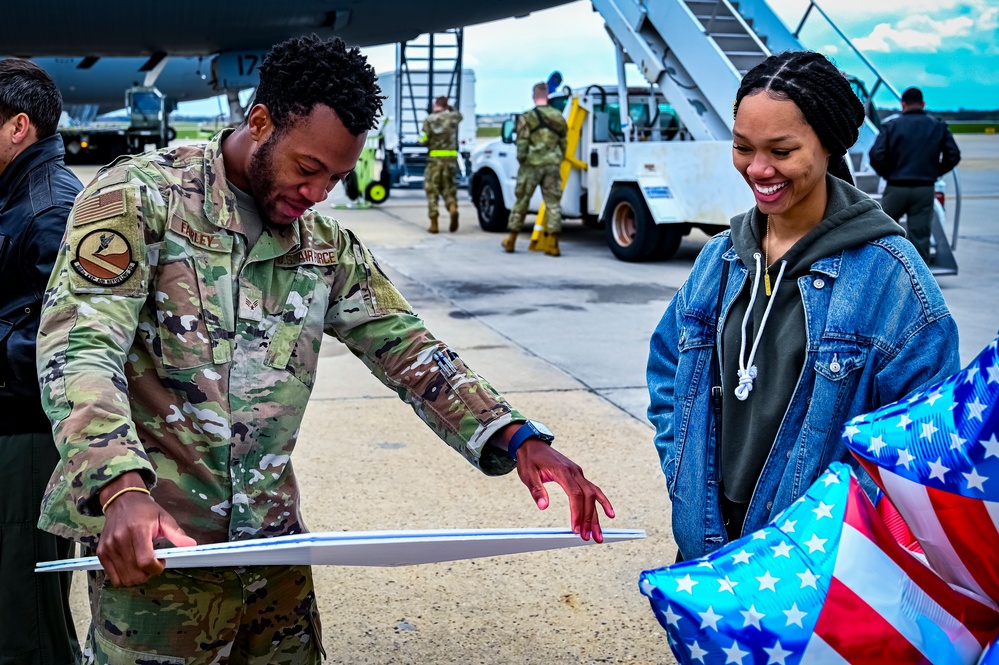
824 582
991 654
936 456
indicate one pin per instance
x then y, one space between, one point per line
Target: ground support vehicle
148 123
369 181
647 192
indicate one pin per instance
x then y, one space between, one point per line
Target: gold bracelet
104 508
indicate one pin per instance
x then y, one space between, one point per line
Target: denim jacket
877 330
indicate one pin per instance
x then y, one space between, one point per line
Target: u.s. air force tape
104 257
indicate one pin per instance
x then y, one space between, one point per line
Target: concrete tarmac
566 340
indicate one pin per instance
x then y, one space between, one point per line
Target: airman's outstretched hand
538 463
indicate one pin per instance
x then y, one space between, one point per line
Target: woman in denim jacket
812 309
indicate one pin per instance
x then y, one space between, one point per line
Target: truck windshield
145 102
558 103
638 110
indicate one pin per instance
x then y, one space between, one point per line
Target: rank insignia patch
104 257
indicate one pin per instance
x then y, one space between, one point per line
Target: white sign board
363 548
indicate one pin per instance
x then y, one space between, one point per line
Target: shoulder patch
104 257
105 244
99 207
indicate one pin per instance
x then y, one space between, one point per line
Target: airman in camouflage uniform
440 133
541 144
177 351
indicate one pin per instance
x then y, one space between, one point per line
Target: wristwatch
530 429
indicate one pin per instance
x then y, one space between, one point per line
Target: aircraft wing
198 28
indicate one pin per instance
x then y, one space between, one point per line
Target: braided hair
304 71
820 91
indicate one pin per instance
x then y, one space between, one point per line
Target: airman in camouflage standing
440 133
541 143
178 347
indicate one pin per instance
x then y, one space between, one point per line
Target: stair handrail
881 80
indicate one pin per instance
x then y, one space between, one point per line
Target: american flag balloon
936 456
826 582
991 654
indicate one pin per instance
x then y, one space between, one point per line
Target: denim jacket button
834 367
770 505
788 454
819 283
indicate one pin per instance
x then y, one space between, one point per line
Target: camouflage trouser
261 615
528 177
439 179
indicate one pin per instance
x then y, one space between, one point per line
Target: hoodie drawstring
747 370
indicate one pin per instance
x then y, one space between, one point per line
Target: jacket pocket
106 651
295 340
837 370
180 318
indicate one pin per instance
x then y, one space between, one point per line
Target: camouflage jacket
541 137
166 348
440 132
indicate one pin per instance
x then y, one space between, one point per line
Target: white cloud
989 20
884 38
917 32
959 26
842 8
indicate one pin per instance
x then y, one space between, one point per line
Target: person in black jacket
910 153
36 194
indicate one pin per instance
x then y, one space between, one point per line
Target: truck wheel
171 134
631 233
668 242
376 192
493 215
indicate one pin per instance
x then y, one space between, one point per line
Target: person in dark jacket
36 195
811 310
910 153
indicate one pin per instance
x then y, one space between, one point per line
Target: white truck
645 182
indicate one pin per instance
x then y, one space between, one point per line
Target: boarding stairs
428 67
697 51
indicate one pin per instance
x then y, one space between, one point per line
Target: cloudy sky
949 48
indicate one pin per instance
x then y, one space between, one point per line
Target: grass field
195 130
981 127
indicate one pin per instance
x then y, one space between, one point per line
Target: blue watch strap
526 431
519 437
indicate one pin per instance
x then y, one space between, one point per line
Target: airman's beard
261 177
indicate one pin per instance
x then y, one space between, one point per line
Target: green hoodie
750 427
